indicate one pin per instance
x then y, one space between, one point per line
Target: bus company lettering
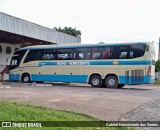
72 63
61 63
78 63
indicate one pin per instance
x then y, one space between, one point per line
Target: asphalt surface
103 103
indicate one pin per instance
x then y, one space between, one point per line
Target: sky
107 21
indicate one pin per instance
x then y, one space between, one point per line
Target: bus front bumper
14 77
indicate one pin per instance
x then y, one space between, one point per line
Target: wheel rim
26 79
95 81
111 82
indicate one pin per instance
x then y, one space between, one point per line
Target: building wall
22 27
5 57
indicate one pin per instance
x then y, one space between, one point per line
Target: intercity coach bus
101 65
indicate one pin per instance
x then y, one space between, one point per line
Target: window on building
8 50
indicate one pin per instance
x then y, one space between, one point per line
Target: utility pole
159 50
159 59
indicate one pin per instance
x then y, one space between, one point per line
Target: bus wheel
26 78
120 85
96 81
111 81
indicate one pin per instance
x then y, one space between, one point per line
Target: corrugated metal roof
22 27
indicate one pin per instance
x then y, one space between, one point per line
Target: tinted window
119 52
114 52
16 59
32 56
82 54
35 55
20 54
98 53
124 52
107 53
48 55
65 54
127 51
137 51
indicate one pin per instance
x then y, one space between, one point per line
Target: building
16 33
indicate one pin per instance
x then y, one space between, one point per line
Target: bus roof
78 45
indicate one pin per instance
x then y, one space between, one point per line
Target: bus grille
127 76
136 76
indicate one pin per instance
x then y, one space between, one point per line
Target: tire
96 81
121 85
103 85
111 82
26 78
39 82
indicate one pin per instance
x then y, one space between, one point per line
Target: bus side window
87 54
76 56
48 57
98 53
47 54
82 54
114 52
65 54
30 56
138 50
107 53
123 55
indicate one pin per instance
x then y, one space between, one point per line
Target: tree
70 31
58 29
157 66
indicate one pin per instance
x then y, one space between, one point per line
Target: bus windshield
16 59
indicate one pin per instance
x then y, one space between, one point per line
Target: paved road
103 103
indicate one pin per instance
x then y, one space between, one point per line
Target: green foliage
21 112
157 66
157 83
24 112
70 31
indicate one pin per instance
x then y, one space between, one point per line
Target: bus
109 65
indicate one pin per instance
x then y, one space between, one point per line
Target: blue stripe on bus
60 78
14 77
75 78
121 63
72 63
147 79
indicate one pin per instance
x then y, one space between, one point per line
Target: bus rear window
118 52
137 51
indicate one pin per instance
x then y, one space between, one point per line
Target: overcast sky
99 20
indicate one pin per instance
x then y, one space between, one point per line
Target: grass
157 83
12 111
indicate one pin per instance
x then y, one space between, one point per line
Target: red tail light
149 71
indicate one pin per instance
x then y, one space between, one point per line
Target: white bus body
101 65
